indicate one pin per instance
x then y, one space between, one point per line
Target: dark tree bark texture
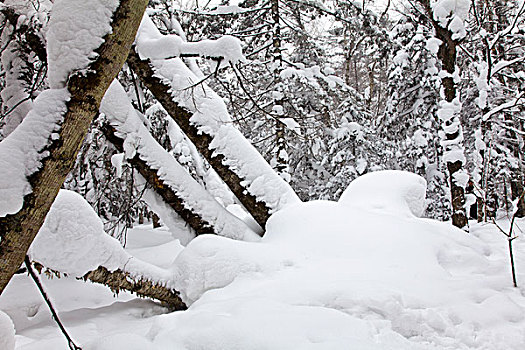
201 140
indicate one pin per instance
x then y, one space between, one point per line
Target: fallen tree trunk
259 211
196 222
119 280
177 188
86 90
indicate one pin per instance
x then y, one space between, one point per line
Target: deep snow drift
361 273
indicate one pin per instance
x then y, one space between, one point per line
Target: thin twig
35 278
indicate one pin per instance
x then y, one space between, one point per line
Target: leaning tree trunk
170 197
86 91
202 140
120 280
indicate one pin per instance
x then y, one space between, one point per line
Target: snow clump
75 30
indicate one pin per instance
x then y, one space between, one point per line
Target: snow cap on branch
76 29
451 14
226 49
22 151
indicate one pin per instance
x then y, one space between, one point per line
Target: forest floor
482 312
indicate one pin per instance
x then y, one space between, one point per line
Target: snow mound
339 275
72 241
7 332
122 341
392 191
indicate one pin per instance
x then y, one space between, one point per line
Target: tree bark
162 92
119 280
86 90
122 280
281 161
447 54
517 189
196 222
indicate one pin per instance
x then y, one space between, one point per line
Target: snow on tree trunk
202 115
183 193
72 241
448 17
38 155
280 154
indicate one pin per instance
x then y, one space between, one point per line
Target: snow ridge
121 114
211 116
76 30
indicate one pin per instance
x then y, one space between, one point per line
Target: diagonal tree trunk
196 222
120 280
161 90
18 230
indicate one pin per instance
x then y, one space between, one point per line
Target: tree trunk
119 280
196 222
447 54
517 188
162 92
86 90
122 280
281 157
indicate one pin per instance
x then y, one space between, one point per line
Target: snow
128 341
327 275
451 14
227 48
7 332
226 9
117 160
354 274
311 74
154 46
138 140
211 116
432 45
75 31
397 192
72 241
448 113
22 151
420 139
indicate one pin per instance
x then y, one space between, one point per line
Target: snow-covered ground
361 273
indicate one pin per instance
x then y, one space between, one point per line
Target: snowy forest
262 174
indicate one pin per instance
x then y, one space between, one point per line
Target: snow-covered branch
193 200
203 116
